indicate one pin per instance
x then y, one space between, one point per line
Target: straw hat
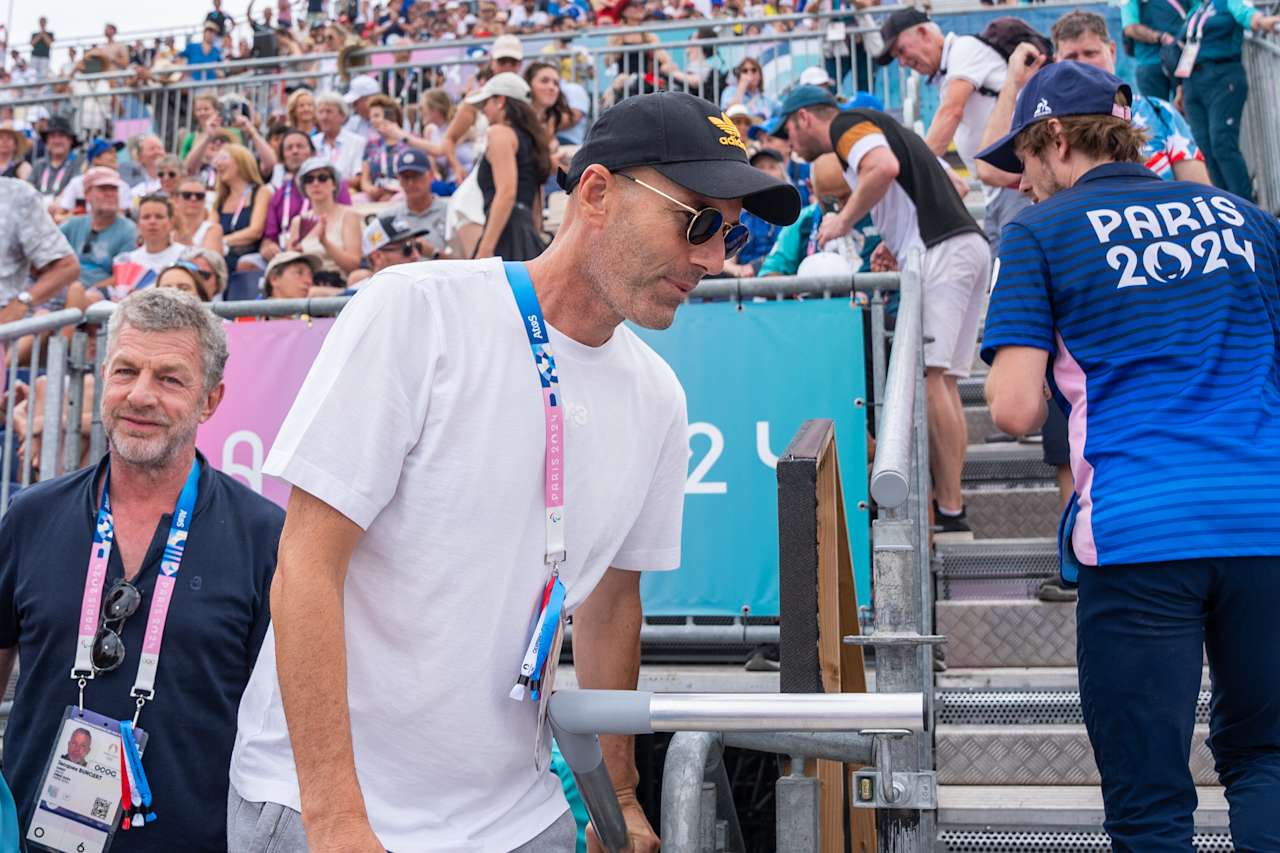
20 139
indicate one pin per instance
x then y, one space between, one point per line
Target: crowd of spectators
463 168
465 155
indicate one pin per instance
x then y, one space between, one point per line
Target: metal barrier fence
49 360
1260 139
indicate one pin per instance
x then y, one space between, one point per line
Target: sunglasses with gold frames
705 223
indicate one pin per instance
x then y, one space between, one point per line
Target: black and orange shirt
921 208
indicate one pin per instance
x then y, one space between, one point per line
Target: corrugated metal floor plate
1012 512
1007 632
1035 755
1022 707
1030 807
1006 461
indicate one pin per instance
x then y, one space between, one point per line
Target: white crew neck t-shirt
422 421
155 261
970 59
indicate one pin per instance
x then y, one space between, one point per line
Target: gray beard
152 454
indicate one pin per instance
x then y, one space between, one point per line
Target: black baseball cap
894 26
689 141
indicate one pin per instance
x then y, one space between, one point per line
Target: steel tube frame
77 369
54 388
626 712
689 756
891 475
582 753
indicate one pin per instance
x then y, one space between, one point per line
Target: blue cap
797 99
864 101
412 160
99 146
1057 90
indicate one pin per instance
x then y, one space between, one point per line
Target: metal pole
834 746
582 753
628 712
53 390
75 401
797 813
6 466
890 478
878 342
687 756
97 436
33 371
896 594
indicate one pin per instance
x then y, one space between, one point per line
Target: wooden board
843 667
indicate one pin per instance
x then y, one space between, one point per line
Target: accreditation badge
542 742
1187 61
79 805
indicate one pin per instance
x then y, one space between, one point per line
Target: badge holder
1187 61
81 799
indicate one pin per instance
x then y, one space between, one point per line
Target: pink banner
267 363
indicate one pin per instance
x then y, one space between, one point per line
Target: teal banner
753 374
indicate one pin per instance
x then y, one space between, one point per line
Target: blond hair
291 105
246 165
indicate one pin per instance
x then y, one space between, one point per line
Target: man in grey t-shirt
421 209
31 247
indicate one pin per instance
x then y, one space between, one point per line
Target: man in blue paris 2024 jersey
1152 309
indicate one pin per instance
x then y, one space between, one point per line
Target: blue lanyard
550 605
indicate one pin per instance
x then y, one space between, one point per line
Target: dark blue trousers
1142 630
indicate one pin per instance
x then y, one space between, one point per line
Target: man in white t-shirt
968 73
156 249
333 142
914 205
416 544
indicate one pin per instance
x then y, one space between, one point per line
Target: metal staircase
1015 770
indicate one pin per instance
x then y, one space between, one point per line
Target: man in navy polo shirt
1152 309
162 377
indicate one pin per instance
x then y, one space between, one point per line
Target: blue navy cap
1057 90
412 160
98 146
797 99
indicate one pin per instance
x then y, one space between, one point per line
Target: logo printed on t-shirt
1166 260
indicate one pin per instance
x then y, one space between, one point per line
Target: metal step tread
1017 678
972 389
997 558
1037 755
1007 632
1023 707
978 423
1006 461
1044 805
1004 510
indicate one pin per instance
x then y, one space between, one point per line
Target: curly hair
1100 137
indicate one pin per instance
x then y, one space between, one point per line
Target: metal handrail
769 287
764 720
629 712
39 324
891 475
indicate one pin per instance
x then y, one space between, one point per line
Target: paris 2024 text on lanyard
537 669
94 781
